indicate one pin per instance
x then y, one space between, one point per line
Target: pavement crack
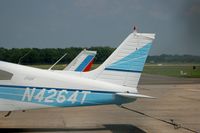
171 122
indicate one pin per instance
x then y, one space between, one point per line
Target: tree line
164 58
51 55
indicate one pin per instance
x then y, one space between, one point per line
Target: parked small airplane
114 82
81 63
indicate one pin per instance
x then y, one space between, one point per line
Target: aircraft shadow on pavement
114 128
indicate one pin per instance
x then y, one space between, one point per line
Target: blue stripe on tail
84 64
134 62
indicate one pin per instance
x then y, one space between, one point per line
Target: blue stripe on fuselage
17 93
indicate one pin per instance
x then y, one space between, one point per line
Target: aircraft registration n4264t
113 82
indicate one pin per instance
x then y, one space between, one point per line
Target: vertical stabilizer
126 63
83 62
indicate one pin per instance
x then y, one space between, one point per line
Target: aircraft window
5 75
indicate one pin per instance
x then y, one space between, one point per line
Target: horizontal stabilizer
134 95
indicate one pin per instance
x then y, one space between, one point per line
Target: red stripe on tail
88 67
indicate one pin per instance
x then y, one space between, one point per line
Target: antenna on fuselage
57 61
19 62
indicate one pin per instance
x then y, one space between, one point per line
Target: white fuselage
37 88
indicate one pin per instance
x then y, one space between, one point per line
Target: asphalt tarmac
176 109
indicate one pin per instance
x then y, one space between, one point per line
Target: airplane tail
125 64
83 62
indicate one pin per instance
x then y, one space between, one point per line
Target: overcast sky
85 23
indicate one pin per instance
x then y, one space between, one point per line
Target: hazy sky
85 23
